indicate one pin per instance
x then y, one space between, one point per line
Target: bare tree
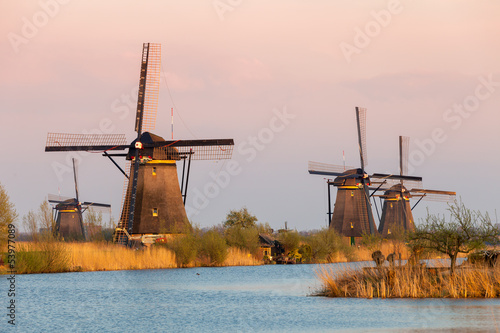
466 230
41 224
31 225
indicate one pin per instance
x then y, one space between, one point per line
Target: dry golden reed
95 256
410 282
238 257
106 256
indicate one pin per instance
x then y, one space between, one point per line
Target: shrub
324 244
185 248
46 257
290 240
214 248
243 238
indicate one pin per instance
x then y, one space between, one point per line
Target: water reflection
229 299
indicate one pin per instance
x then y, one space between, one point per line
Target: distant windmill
352 215
396 210
69 219
153 203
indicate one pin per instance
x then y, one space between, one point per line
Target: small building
270 246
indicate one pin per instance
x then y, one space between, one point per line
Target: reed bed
239 257
105 256
410 282
57 257
364 254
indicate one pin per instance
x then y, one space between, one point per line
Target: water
229 299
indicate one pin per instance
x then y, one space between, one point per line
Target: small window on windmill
352 193
391 204
155 211
352 226
388 231
154 171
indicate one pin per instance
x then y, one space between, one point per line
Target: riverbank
59 257
410 282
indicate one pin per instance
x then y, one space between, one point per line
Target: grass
410 282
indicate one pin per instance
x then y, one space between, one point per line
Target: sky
282 78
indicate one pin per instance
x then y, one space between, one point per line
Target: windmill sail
152 202
352 215
396 210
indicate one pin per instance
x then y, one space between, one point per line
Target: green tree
240 218
465 231
243 238
213 247
185 248
290 240
8 215
324 244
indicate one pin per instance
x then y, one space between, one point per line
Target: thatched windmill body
153 203
69 213
396 209
352 214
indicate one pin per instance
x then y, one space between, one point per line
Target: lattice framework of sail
328 168
387 183
434 195
404 142
223 152
152 88
362 128
58 141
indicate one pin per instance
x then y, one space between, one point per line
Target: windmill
69 219
352 215
396 210
153 203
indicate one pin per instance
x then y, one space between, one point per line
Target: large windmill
352 215
69 213
153 202
396 209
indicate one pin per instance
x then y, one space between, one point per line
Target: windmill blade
433 195
97 207
211 149
55 198
76 181
391 180
404 146
395 177
85 142
147 104
317 168
96 204
361 123
149 85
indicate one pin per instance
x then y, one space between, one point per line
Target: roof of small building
266 240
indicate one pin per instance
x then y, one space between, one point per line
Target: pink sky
228 70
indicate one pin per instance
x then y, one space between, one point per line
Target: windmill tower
396 209
153 203
69 213
352 215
